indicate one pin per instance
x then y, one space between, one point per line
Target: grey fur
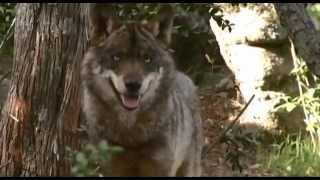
163 136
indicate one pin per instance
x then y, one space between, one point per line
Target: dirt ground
218 110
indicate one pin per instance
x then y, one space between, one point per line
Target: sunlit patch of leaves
308 100
294 156
300 156
217 14
314 11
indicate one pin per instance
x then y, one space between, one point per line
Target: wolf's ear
161 26
102 21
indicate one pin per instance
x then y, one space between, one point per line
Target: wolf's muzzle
133 86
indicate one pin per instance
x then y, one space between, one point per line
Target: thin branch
7 34
220 138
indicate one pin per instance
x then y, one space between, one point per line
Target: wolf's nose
133 86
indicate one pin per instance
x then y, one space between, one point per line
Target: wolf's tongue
130 102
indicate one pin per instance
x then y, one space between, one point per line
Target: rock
258 53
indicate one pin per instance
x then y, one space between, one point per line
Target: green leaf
74 170
116 149
103 146
81 159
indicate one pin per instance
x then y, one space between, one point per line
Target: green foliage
140 11
300 156
130 11
7 14
314 11
295 156
206 10
309 87
92 160
217 14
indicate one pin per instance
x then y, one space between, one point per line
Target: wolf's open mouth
130 102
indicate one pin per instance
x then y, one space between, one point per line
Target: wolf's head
128 63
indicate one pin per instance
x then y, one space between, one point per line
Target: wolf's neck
136 128
133 128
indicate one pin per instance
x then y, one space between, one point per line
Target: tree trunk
41 114
302 32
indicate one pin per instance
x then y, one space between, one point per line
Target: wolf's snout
133 86
133 82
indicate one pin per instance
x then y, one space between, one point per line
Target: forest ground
218 110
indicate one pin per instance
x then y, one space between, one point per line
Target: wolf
134 97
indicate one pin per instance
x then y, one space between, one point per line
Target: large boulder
257 51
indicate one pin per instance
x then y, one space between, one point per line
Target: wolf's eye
116 58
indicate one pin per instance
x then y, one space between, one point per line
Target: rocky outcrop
258 53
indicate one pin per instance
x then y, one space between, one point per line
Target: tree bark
41 114
302 32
